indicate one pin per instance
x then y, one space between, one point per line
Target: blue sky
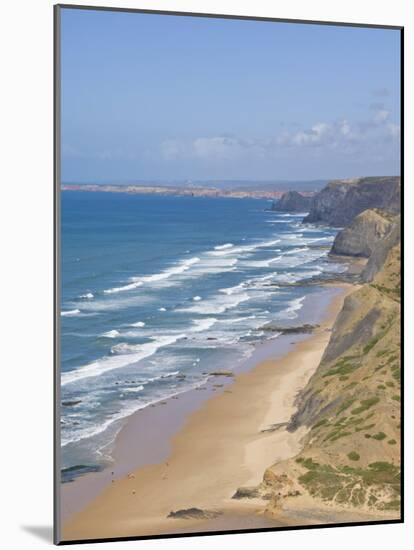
180 98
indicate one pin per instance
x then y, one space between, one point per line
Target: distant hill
224 185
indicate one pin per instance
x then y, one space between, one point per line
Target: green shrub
362 428
353 456
365 404
345 405
379 436
372 343
392 505
320 423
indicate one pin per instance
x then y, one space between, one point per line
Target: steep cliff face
364 233
381 251
350 408
340 201
292 201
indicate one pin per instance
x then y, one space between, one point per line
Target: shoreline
134 445
219 437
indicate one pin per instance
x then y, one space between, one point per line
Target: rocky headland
350 408
341 201
363 234
292 201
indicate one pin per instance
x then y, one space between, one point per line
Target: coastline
216 434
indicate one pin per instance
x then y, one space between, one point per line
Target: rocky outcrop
340 201
194 513
362 236
292 201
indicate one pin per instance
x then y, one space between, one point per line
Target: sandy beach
226 443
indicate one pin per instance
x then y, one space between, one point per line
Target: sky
166 98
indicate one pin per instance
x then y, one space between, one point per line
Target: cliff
292 201
381 251
340 201
364 233
350 409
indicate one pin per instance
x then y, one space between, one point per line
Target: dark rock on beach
306 328
246 492
194 513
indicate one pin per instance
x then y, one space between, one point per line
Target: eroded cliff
340 201
350 409
365 232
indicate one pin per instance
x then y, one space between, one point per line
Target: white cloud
381 115
218 147
342 135
315 135
345 128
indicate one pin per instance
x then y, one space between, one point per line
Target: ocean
158 291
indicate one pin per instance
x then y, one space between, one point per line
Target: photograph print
228 324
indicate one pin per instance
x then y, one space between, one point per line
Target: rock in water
362 236
292 201
341 200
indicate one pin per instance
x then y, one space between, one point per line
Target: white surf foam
262 263
223 246
97 429
243 249
70 312
182 266
135 389
239 319
130 286
232 289
87 296
297 250
203 324
134 354
293 308
110 334
218 304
